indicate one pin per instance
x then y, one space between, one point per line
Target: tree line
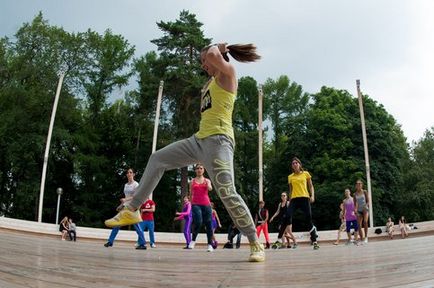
94 139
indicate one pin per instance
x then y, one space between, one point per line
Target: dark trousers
202 214
303 203
232 232
72 235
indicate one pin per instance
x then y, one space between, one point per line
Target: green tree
29 74
416 199
285 106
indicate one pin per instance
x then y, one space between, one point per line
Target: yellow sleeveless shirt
216 110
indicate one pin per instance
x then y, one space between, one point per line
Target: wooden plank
29 260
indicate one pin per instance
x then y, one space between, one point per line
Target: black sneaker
228 245
108 244
141 247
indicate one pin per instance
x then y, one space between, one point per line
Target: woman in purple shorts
350 216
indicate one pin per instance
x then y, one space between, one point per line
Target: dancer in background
261 222
201 206
186 215
302 194
215 223
129 189
361 201
350 216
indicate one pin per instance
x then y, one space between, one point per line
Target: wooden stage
29 260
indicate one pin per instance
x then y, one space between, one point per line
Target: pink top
199 193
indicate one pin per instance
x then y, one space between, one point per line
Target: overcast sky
387 44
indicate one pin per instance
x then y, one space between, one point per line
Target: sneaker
276 245
336 243
108 244
295 246
141 247
228 245
257 253
186 247
366 240
288 246
315 246
153 245
210 249
267 245
214 244
191 245
123 218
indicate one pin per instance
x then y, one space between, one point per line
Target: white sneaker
153 245
191 245
210 249
366 240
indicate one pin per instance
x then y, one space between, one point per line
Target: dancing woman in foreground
213 145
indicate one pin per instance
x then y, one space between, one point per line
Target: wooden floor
28 260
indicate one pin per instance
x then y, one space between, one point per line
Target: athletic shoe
186 247
210 249
288 246
276 245
108 244
267 245
141 247
366 240
191 245
214 244
123 218
228 245
153 245
315 246
257 253
295 246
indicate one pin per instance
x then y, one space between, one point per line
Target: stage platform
37 260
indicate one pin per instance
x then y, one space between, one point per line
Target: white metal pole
157 116
57 210
157 119
365 147
47 147
260 143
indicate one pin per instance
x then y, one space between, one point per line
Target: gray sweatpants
216 153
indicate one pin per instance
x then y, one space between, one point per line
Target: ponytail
242 53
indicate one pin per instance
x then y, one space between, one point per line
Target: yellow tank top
216 110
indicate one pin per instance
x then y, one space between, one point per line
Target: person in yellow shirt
301 195
213 145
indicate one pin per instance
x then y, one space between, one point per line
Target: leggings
187 229
263 227
202 214
304 204
216 153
